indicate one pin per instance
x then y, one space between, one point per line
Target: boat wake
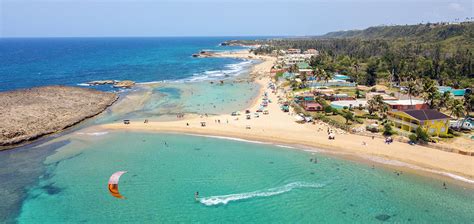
224 199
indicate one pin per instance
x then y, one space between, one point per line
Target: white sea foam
415 167
285 146
83 84
224 199
230 70
93 133
231 138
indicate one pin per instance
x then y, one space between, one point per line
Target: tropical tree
376 104
457 108
318 74
445 100
371 106
468 105
326 76
430 93
348 115
412 89
371 71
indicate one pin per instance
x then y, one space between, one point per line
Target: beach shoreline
280 128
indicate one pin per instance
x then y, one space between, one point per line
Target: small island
28 114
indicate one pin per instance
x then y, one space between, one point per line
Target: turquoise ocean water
237 181
64 180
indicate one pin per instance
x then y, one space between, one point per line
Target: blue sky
78 18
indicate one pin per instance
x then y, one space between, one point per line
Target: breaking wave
230 70
415 167
93 133
224 199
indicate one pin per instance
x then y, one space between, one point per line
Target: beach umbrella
113 184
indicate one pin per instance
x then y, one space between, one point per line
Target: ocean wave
229 71
93 133
285 146
224 199
231 138
83 84
415 167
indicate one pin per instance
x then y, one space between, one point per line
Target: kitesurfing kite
113 184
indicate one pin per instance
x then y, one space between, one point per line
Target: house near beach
312 106
293 51
384 96
311 52
400 105
432 121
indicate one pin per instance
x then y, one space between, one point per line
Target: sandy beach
280 128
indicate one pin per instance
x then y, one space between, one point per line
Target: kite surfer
196 196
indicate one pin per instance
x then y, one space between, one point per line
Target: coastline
281 128
28 113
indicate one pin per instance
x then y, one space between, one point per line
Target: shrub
387 129
345 107
371 129
446 136
413 137
422 135
328 109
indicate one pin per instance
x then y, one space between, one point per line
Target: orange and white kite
113 184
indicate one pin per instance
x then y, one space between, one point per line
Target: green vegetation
397 54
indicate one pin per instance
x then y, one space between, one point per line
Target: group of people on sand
388 140
180 115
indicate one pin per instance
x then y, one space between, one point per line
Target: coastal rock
124 84
31 113
204 54
101 82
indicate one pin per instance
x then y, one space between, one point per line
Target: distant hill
421 32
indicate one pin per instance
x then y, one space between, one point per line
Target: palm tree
445 100
327 76
430 93
412 89
468 104
317 73
457 108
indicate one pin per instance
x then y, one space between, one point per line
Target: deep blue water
71 61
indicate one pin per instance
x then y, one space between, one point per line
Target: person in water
196 196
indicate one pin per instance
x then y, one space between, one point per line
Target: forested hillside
442 52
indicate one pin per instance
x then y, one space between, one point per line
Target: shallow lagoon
237 181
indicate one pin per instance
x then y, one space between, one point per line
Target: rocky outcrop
116 84
101 82
204 54
31 113
124 84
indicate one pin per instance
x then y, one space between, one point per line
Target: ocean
26 63
238 182
63 179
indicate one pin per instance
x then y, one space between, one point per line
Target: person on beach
187 124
